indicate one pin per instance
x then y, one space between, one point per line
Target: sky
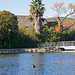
21 7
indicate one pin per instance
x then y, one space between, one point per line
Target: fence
57 44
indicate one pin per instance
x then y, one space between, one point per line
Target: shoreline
28 50
32 50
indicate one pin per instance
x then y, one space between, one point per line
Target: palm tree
37 10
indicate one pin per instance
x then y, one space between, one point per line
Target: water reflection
46 64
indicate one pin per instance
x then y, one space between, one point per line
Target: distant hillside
24 23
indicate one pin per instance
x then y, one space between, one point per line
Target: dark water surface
46 64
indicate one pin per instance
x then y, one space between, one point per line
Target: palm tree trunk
37 25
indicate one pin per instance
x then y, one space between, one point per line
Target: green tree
37 10
72 35
64 36
8 28
48 34
23 41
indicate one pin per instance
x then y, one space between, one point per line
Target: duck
34 66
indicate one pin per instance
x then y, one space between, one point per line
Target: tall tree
37 9
8 28
59 8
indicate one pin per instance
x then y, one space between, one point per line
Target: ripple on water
46 64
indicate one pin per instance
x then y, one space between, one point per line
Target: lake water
46 64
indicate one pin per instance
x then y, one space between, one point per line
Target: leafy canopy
8 21
48 34
8 28
37 8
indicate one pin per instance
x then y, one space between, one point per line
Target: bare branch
67 16
59 19
68 27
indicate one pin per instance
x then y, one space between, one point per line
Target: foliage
48 34
37 8
30 31
67 36
30 18
58 27
72 7
8 28
23 41
69 11
72 35
64 36
11 36
59 8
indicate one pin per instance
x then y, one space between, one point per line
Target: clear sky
21 7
